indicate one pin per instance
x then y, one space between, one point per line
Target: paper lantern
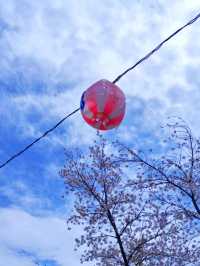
103 105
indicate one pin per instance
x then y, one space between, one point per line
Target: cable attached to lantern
38 139
115 81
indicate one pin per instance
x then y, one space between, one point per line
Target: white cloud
19 194
44 237
8 257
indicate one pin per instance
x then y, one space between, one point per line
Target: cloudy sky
50 52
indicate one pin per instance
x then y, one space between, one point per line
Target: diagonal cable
38 139
156 48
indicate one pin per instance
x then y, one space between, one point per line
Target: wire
156 48
38 139
115 81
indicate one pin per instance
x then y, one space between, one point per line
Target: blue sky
51 51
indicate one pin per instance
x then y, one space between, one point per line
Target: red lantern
103 105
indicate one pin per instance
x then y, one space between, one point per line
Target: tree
173 179
122 225
175 176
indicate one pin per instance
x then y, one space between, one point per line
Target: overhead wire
38 139
156 48
115 81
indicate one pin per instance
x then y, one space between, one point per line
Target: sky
51 51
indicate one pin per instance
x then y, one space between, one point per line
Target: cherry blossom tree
122 223
173 178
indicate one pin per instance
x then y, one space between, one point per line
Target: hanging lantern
103 105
